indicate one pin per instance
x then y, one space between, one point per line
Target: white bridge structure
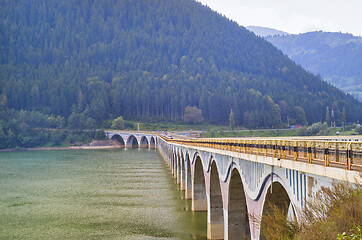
233 179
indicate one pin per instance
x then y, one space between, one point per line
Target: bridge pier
188 178
178 169
199 199
215 220
182 174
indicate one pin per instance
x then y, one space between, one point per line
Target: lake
93 194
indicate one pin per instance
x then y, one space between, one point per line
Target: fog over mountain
264 31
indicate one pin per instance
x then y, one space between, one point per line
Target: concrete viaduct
235 179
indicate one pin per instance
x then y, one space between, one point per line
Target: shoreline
95 144
59 148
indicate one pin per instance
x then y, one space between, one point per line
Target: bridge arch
238 220
199 201
152 142
132 142
278 197
188 180
143 142
183 173
118 139
215 228
174 162
178 168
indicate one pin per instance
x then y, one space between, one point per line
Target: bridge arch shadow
216 228
182 176
152 142
174 161
238 220
118 139
199 202
276 197
188 180
144 142
178 168
132 142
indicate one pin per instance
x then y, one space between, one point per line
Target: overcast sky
294 16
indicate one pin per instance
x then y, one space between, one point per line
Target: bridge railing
327 153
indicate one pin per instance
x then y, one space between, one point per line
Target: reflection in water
93 194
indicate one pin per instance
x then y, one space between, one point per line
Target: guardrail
327 153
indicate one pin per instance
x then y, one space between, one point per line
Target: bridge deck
341 152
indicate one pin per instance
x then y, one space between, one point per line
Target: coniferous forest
88 61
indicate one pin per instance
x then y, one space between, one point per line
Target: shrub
331 213
118 123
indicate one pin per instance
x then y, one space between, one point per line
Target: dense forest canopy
337 57
149 60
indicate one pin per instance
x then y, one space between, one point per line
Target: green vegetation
20 129
92 61
250 133
317 129
24 129
118 123
332 213
343 51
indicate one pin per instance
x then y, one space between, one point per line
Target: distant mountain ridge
264 31
148 60
336 57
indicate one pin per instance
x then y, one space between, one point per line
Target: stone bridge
234 181
133 140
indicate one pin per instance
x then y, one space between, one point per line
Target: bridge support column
177 168
187 178
174 171
188 193
199 199
215 229
199 192
199 205
174 167
215 213
182 186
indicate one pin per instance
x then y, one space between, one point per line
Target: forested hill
337 57
149 60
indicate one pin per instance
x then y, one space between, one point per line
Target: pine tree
343 117
328 117
232 120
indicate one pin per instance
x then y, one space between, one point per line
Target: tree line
145 60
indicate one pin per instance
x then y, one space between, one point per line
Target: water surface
93 194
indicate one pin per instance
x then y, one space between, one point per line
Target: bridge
133 140
234 179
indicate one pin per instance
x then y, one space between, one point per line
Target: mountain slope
149 60
335 56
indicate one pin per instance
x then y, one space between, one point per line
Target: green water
93 194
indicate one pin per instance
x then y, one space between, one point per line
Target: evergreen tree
232 119
344 121
107 59
328 117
